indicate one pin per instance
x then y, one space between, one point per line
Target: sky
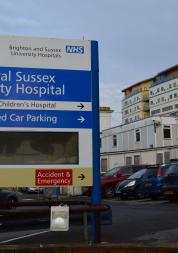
137 38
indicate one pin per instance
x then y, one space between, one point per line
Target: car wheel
109 191
123 197
11 202
155 197
172 200
140 195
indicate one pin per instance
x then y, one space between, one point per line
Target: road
134 221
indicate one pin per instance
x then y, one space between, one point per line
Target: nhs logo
75 49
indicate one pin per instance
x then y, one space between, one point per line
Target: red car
114 176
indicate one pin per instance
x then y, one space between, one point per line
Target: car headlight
130 184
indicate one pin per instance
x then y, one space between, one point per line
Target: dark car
115 176
8 199
32 190
170 182
153 185
130 186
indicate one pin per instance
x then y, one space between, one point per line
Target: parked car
113 177
32 190
129 187
8 199
153 185
110 179
170 182
133 186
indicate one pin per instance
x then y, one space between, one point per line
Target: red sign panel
53 177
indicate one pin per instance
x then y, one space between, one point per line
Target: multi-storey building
164 93
149 130
135 105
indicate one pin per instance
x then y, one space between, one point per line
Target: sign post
96 195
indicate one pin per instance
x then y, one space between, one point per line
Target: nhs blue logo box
46 85
75 49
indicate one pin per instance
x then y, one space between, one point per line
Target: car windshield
138 174
111 172
151 172
173 169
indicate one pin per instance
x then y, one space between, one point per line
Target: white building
148 141
105 117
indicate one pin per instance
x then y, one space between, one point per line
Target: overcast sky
137 38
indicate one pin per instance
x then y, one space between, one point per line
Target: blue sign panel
45 84
45 119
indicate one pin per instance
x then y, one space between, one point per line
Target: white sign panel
46 86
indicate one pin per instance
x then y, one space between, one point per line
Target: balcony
146 107
146 97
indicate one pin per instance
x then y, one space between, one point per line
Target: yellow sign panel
48 177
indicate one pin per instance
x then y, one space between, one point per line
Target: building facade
149 141
152 97
135 104
163 93
105 117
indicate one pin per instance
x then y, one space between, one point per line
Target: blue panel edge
96 132
96 191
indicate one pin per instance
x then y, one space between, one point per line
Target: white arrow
81 119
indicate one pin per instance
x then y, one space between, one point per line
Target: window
175 95
39 148
151 172
167 132
114 141
155 112
170 96
127 171
159 158
136 159
128 160
104 163
166 157
167 108
137 135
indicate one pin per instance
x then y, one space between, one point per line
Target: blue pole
96 192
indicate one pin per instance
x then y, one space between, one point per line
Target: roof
146 80
167 70
105 109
